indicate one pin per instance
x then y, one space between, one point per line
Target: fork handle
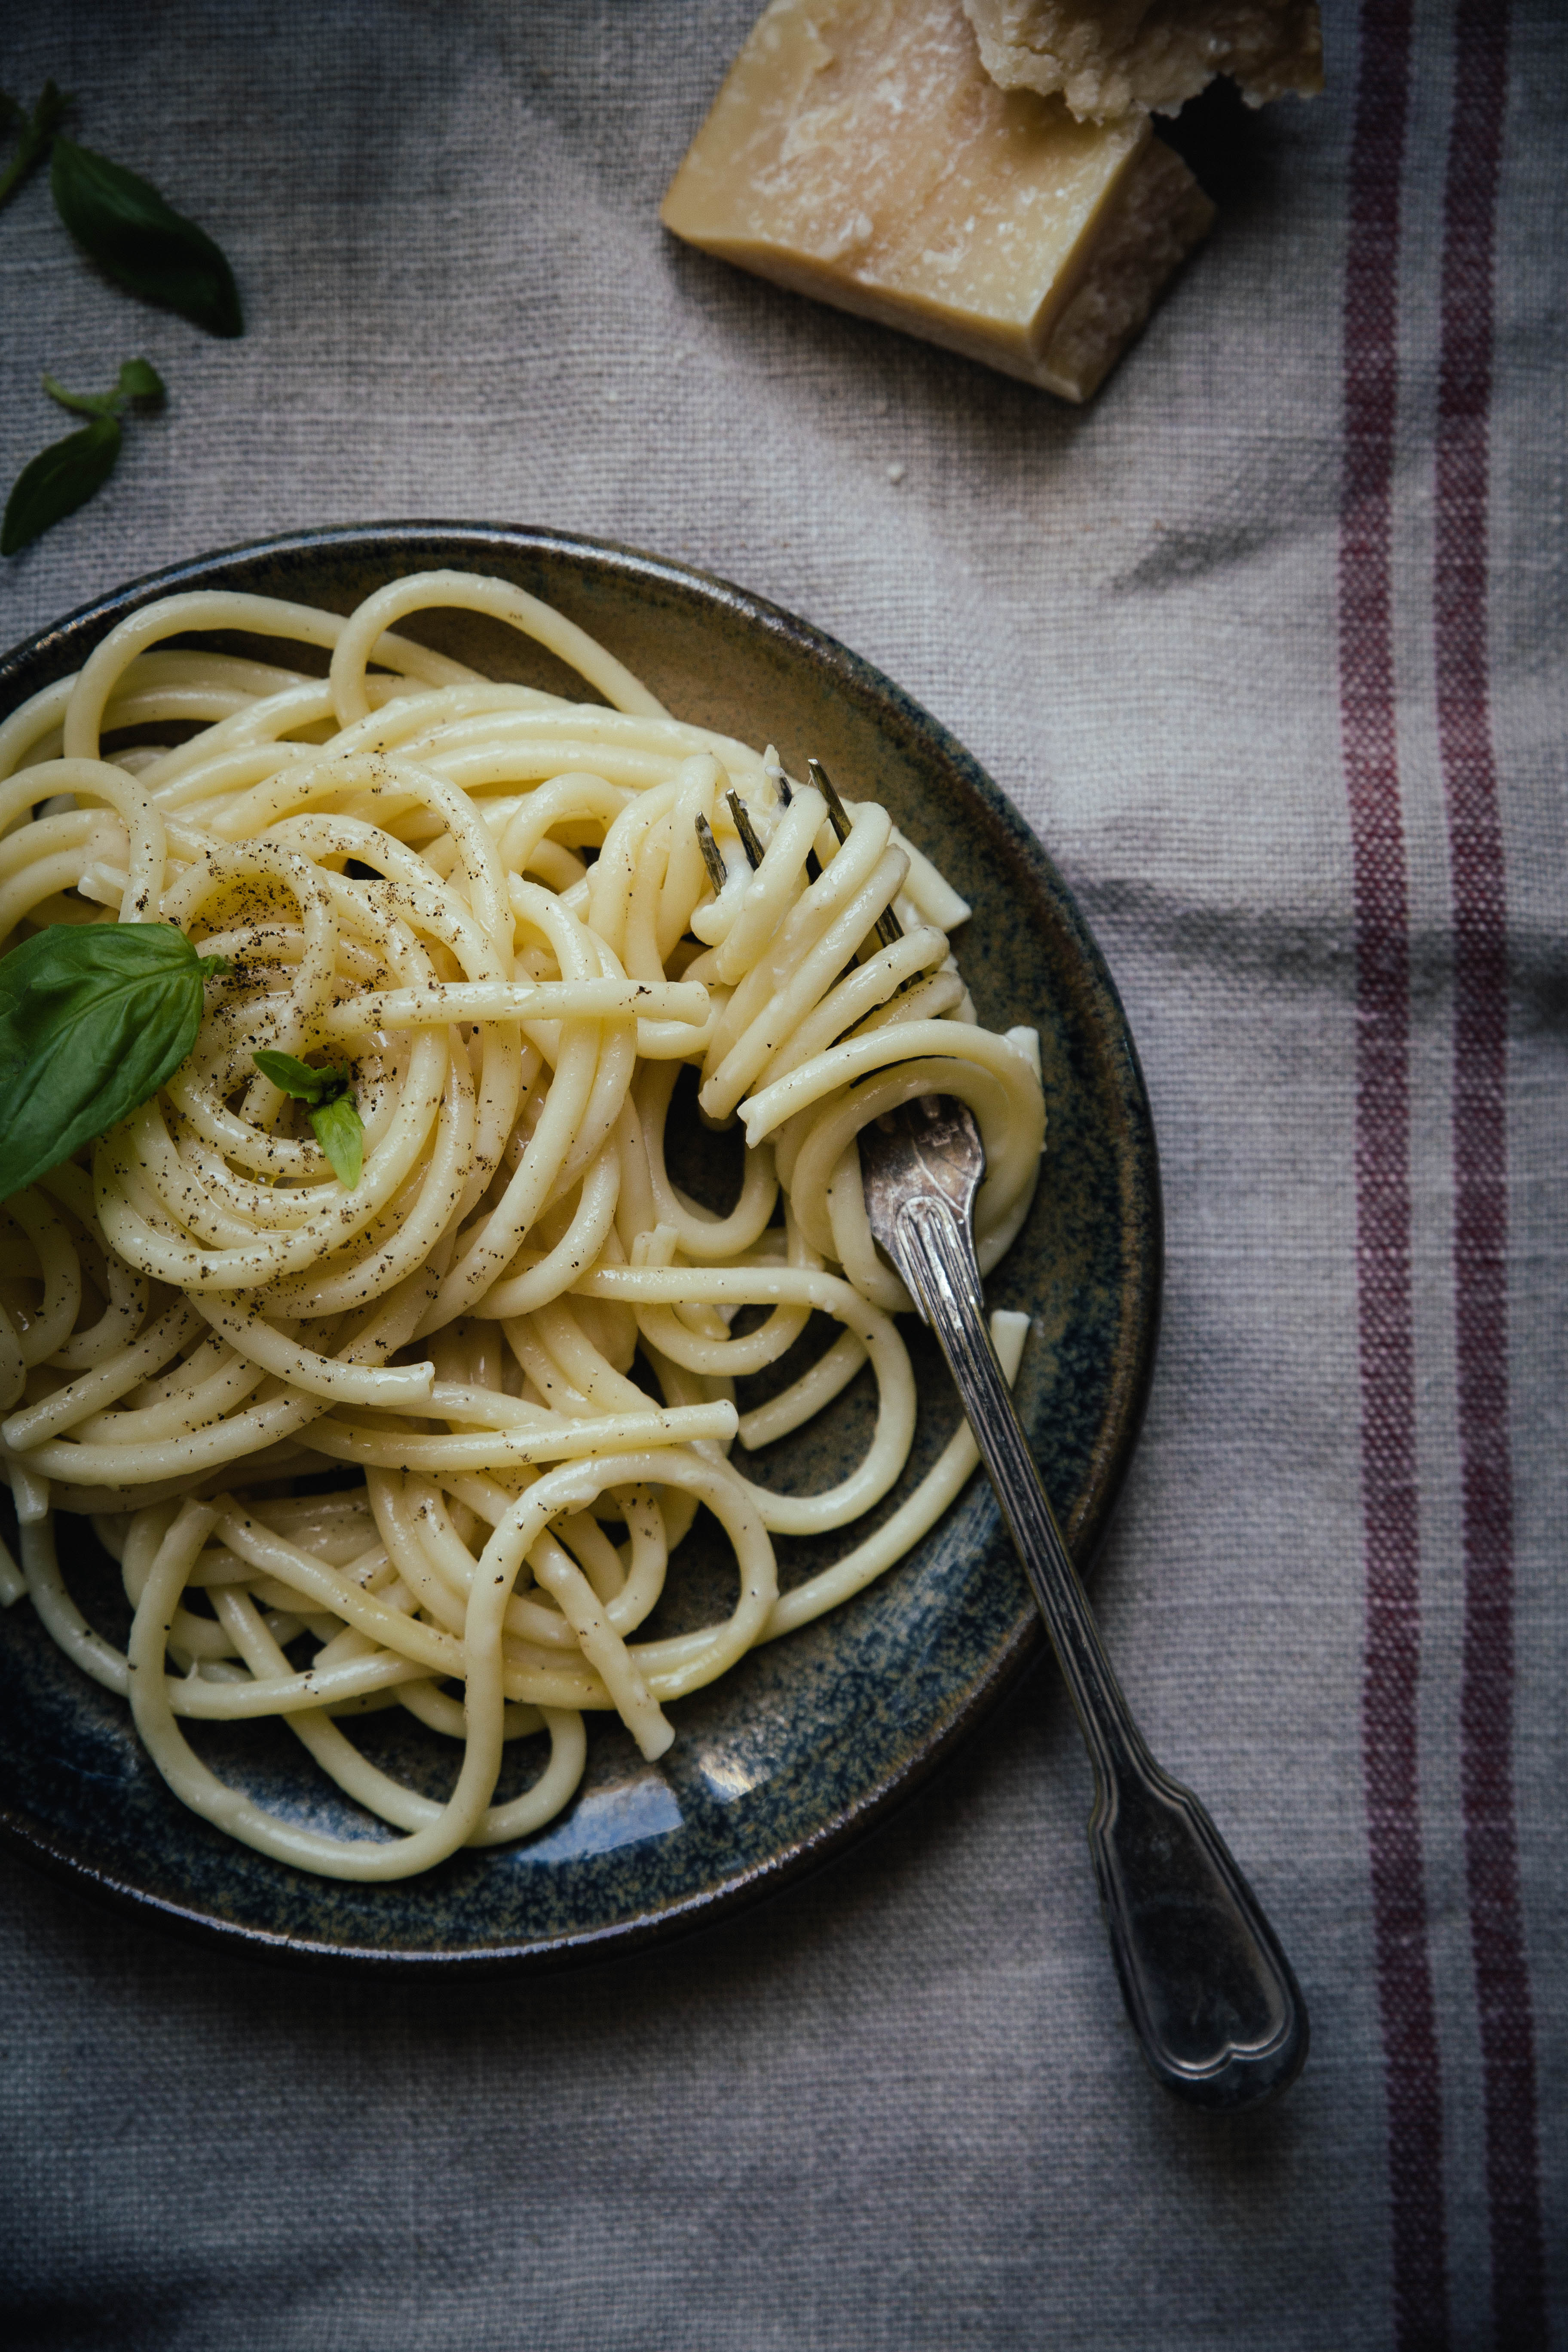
1210 1993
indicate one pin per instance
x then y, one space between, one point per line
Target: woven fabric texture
1268 646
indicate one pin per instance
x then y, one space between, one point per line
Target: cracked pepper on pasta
493 904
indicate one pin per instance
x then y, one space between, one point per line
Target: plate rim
1138 1159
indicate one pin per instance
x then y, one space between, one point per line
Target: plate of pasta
477 1494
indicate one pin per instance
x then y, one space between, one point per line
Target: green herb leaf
82 404
140 379
341 1134
62 476
93 1018
35 133
123 224
299 1079
60 479
330 1108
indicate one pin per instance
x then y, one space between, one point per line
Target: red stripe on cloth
1406 2007
1480 1172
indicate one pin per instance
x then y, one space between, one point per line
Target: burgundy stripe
1389 1700
1480 1172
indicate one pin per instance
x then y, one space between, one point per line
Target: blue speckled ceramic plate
812 1739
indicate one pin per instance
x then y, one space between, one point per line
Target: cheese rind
859 153
1160 215
1109 59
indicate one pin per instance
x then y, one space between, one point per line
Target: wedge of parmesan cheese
859 153
1111 57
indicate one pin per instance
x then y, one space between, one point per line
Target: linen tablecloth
1267 645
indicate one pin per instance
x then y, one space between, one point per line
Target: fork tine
787 795
747 831
718 872
837 814
888 926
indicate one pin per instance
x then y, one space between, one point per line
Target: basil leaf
93 1018
341 1134
60 479
82 404
140 379
123 224
35 131
297 1079
330 1108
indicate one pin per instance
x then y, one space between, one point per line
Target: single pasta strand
507 1000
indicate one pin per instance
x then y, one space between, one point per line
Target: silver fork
1209 1991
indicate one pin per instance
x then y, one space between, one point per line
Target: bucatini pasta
493 904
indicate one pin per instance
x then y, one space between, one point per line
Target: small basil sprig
329 1106
64 475
34 133
93 1018
123 224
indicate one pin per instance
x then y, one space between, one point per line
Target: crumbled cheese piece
1112 57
